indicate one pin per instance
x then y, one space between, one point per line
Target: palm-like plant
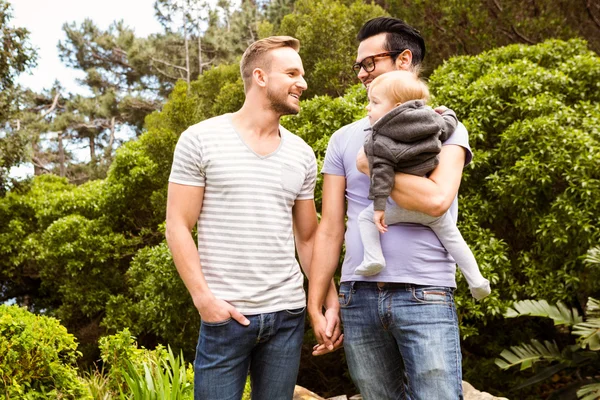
583 352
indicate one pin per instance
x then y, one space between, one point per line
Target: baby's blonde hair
401 86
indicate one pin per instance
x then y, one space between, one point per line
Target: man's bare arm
432 195
305 226
184 205
326 255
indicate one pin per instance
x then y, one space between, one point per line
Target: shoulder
346 132
295 141
209 125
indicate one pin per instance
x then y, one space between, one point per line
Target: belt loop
352 289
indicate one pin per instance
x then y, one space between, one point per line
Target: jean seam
414 296
218 323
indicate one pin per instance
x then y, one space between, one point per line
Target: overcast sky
44 20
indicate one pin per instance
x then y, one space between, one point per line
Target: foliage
529 199
16 56
160 379
328 68
573 356
37 357
157 303
468 27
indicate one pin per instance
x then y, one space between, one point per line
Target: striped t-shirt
245 236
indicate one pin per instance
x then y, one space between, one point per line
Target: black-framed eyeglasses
368 63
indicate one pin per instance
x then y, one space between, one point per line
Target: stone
301 393
470 393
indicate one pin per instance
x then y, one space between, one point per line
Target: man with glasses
400 326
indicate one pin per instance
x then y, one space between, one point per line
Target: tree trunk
187 51
61 155
92 148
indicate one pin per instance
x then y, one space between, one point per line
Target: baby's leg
448 233
373 261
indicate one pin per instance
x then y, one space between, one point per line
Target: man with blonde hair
248 184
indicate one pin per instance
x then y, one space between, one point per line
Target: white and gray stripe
245 233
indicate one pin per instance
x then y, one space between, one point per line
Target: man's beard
279 104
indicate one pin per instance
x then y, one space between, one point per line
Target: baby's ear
397 104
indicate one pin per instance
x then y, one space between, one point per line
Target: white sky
44 20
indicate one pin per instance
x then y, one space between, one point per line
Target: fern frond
527 354
592 308
593 256
589 333
589 392
559 313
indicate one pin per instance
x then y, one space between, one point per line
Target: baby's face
379 104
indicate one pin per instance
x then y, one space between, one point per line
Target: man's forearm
325 261
187 261
432 195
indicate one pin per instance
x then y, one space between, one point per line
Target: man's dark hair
399 36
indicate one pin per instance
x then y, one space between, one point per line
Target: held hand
379 219
362 163
327 331
217 310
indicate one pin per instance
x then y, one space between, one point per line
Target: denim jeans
401 341
269 348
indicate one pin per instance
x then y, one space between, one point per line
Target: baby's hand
441 109
362 163
379 219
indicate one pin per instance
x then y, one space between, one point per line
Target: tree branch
588 6
526 39
53 106
169 64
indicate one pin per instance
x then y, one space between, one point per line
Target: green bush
37 357
530 200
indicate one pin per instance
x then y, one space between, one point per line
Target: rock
470 393
301 393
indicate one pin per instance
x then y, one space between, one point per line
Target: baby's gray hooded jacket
407 139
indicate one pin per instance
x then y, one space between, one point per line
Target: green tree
529 200
452 28
16 56
328 67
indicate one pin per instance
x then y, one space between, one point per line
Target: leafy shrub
37 357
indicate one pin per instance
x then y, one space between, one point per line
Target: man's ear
260 77
404 60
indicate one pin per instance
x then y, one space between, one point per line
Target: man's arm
325 259
304 214
433 195
184 204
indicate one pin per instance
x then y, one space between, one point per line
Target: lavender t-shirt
412 252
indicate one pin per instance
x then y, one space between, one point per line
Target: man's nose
301 83
362 74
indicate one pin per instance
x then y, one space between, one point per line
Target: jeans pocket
432 295
345 294
217 323
296 311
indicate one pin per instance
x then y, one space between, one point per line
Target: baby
407 137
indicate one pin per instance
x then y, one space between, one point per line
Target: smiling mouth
296 96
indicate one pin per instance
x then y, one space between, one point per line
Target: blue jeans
269 348
401 341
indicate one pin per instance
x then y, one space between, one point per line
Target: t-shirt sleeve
460 137
334 161
308 187
188 167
